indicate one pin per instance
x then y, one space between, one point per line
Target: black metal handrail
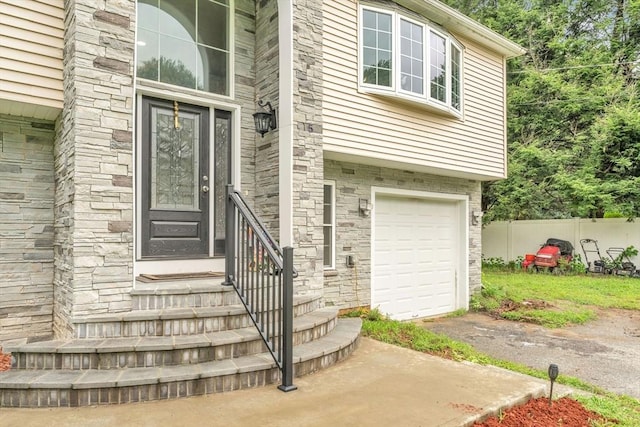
262 274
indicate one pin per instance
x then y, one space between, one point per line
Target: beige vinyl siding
380 129
31 43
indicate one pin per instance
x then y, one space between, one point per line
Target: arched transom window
185 43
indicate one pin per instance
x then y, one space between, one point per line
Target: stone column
94 163
308 174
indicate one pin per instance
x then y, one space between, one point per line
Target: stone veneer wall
26 227
351 287
94 163
245 92
308 173
266 88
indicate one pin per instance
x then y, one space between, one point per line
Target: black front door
175 180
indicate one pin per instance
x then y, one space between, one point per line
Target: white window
185 43
377 48
405 58
438 67
328 225
411 57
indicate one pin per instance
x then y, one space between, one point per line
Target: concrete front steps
181 339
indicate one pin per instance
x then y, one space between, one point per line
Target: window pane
384 77
384 41
384 22
213 21
177 62
369 57
411 57
384 58
178 18
369 75
370 38
328 247
328 198
455 78
438 67
147 66
148 14
215 65
377 48
417 68
369 19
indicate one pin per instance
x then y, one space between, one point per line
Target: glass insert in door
175 164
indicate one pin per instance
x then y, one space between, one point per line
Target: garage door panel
414 257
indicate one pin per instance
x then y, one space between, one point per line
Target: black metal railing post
262 275
287 321
230 239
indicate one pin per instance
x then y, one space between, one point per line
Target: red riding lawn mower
550 255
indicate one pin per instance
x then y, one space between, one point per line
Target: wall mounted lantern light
476 217
364 207
265 120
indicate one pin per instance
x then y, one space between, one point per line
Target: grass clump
551 319
624 410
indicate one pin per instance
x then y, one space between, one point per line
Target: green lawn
553 300
597 290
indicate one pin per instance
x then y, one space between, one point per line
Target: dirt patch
563 412
5 361
510 305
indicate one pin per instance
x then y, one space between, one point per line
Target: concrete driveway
604 352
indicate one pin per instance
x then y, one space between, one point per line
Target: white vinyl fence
510 239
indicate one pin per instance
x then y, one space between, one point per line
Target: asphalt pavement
604 352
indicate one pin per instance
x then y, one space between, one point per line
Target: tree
573 114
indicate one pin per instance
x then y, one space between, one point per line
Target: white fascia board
457 22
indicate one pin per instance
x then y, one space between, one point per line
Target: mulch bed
564 412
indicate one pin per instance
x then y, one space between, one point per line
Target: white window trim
447 71
394 47
425 64
395 90
458 46
332 264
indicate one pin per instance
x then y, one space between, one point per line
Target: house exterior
122 121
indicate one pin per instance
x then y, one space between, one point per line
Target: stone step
180 294
176 321
151 351
42 388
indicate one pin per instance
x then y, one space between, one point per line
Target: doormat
183 276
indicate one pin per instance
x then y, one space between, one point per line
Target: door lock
205 188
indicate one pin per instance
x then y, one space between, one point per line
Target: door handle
205 188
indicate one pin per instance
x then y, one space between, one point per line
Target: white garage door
415 256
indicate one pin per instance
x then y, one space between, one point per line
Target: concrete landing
379 385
